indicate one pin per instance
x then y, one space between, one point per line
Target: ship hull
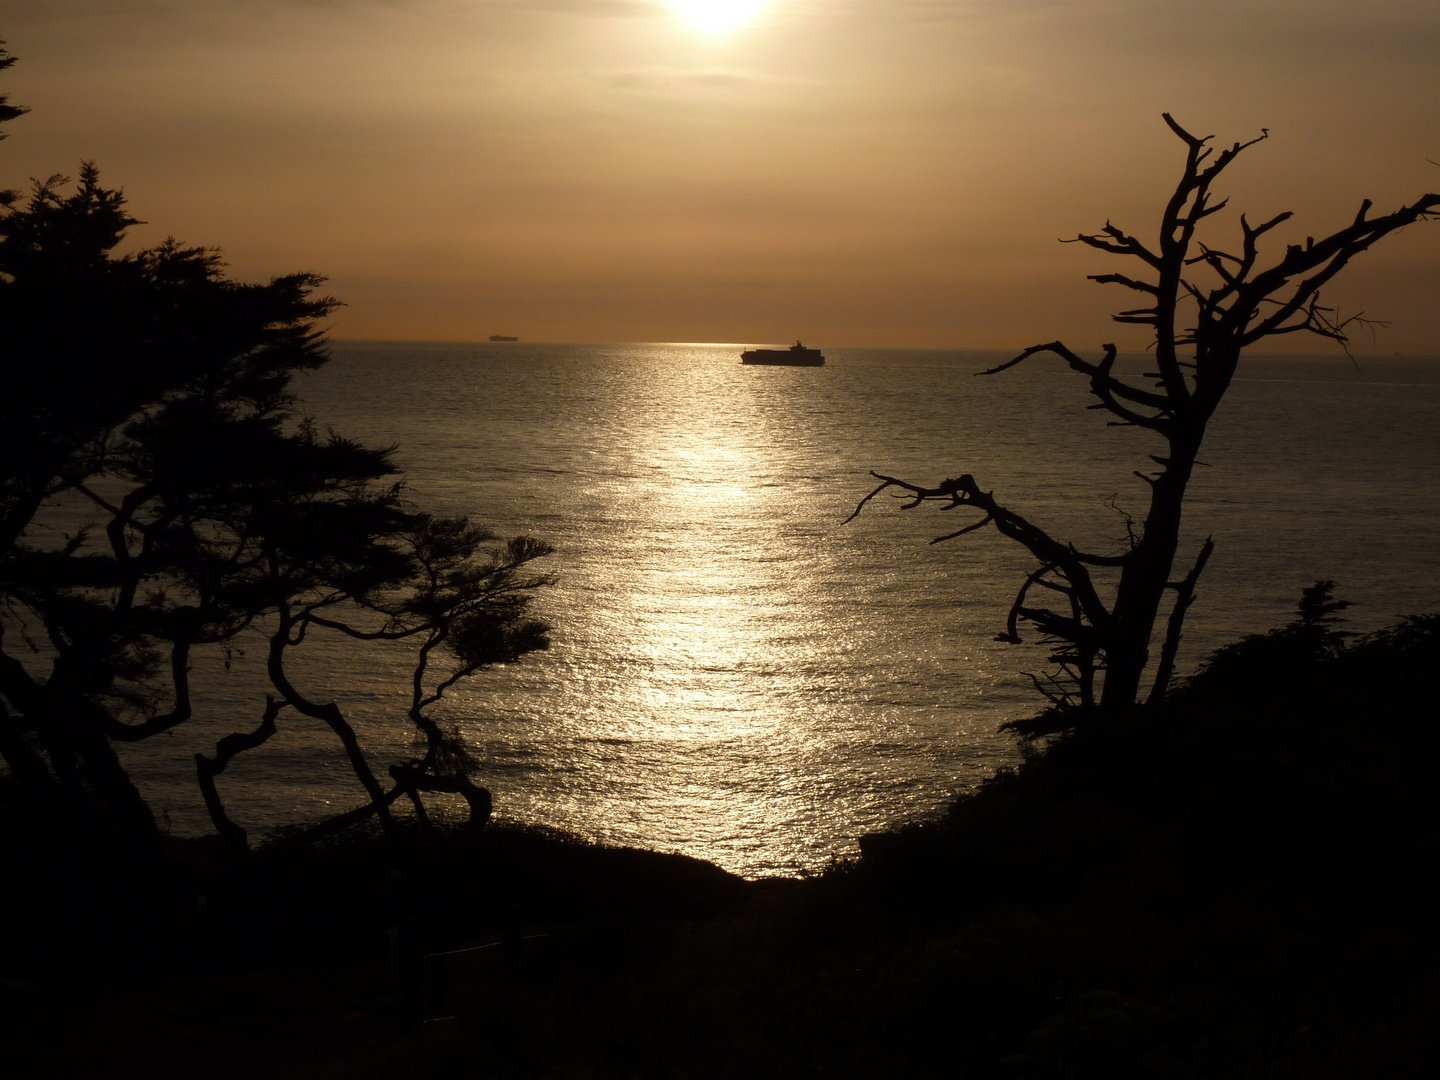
783 357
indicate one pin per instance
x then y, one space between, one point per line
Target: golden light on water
717 16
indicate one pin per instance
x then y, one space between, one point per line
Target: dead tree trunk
1234 306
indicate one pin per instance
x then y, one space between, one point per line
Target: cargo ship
502 337
795 356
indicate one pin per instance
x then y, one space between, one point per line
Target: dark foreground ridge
1244 884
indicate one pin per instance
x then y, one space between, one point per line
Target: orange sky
855 172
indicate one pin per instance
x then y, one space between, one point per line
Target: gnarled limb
412 780
1101 381
206 769
1185 596
1074 628
327 712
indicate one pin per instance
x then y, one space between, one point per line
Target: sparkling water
739 674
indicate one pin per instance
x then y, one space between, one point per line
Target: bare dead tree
1240 302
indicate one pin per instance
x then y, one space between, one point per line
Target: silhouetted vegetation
160 496
1240 302
1235 884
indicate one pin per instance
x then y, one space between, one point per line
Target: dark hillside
1243 884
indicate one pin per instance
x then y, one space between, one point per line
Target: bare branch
207 769
1113 240
886 482
1128 282
1244 307
1194 143
1186 596
1110 385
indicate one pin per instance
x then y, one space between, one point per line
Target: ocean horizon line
336 339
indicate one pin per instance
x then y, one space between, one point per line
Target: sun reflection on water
734 675
736 726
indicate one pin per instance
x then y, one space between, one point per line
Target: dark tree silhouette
7 112
159 495
1234 301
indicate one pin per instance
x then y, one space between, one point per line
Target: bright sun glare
717 16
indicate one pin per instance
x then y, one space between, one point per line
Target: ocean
738 673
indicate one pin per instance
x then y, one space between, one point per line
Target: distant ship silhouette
502 337
795 356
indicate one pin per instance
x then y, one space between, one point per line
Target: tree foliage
160 494
1205 305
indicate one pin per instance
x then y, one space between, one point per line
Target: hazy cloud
53 10
607 8
671 79
1402 28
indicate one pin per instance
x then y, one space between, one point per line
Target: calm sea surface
736 673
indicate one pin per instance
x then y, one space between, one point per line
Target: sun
717 16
